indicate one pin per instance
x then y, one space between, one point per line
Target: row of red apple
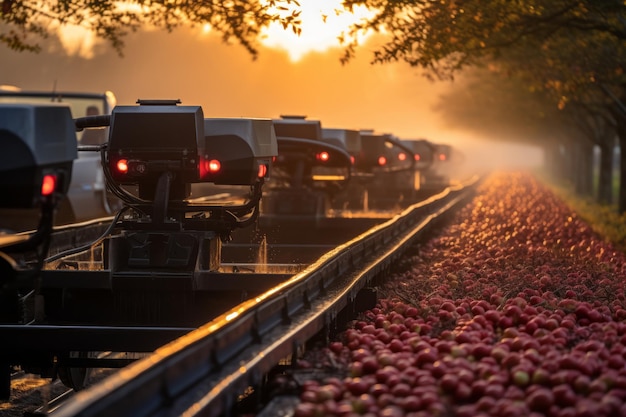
516 309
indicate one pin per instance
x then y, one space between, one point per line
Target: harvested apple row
516 309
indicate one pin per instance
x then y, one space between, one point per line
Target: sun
323 21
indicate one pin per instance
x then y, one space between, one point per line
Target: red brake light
323 156
208 167
213 166
122 166
48 184
262 170
417 157
352 160
402 156
382 160
442 156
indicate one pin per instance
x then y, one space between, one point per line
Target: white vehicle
87 197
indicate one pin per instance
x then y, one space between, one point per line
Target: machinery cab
241 150
387 167
87 197
424 158
423 152
160 148
39 148
349 139
383 153
443 153
439 174
38 153
151 140
308 171
352 197
306 159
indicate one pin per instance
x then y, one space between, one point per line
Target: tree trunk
582 168
619 114
605 180
568 160
553 160
621 201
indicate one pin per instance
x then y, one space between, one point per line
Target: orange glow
75 36
323 22
328 177
48 184
232 315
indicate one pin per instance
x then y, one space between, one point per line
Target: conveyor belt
202 372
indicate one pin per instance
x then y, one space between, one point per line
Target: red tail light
442 157
122 166
214 166
48 184
417 157
262 170
352 159
323 156
402 156
208 167
382 160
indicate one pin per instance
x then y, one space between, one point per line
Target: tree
445 36
24 24
574 50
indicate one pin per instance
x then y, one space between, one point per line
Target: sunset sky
291 76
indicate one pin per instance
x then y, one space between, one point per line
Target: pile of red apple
516 309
